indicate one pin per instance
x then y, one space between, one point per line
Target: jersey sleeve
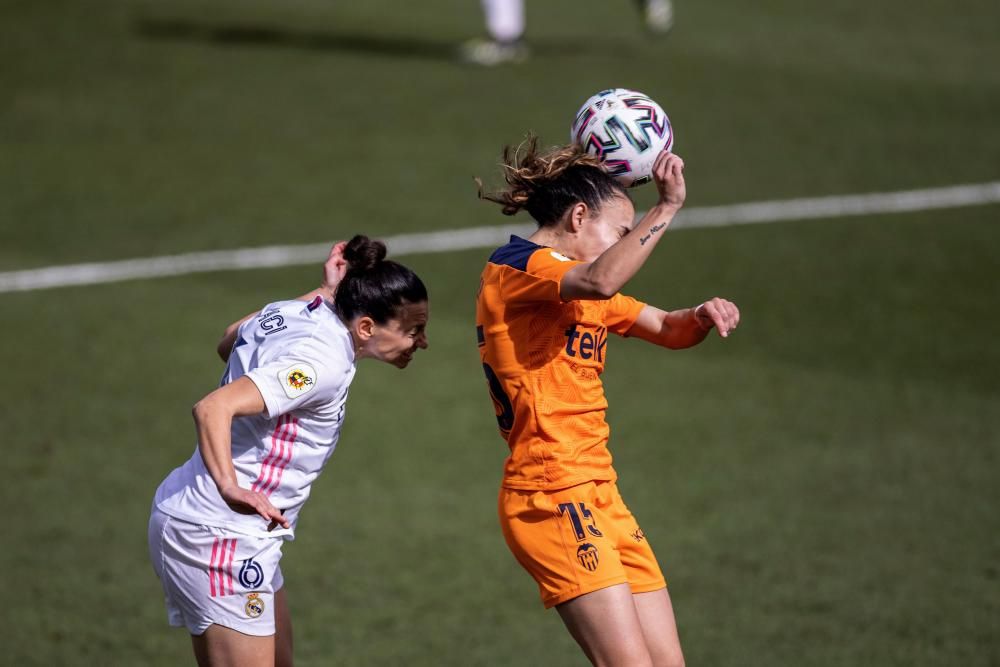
298 378
539 281
621 312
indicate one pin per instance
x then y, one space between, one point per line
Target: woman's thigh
282 630
220 646
659 627
606 625
613 626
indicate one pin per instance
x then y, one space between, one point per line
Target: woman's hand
245 501
718 313
333 270
668 174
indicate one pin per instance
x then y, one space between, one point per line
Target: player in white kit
218 521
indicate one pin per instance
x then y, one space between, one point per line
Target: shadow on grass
184 30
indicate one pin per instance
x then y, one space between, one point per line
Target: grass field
821 489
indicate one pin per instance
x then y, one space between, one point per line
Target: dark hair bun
363 254
373 285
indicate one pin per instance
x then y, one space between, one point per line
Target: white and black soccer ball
627 130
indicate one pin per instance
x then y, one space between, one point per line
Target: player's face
396 341
605 227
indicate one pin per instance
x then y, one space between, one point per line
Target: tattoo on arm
652 230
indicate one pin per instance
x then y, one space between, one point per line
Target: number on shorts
577 523
251 574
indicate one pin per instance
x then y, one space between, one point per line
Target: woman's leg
220 646
504 19
606 625
656 614
283 630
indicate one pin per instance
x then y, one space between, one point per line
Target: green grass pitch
822 489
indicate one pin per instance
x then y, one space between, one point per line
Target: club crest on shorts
254 606
297 380
587 555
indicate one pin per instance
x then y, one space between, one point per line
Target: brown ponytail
546 183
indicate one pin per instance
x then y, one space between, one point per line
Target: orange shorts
577 540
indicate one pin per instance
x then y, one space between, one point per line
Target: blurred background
821 489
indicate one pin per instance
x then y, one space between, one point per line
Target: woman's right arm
606 275
213 418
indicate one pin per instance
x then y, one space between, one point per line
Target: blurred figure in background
505 24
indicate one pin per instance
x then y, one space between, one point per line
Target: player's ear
364 327
577 215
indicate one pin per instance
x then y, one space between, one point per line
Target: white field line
488 237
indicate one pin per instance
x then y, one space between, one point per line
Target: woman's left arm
334 269
677 329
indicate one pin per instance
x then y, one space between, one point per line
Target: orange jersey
543 359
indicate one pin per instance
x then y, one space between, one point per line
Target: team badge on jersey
561 257
587 555
254 606
297 380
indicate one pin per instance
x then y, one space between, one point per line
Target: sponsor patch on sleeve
297 380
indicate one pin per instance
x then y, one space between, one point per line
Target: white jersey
301 357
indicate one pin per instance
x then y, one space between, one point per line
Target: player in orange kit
546 307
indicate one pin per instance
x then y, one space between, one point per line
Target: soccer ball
627 130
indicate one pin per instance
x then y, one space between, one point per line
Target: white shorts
212 575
